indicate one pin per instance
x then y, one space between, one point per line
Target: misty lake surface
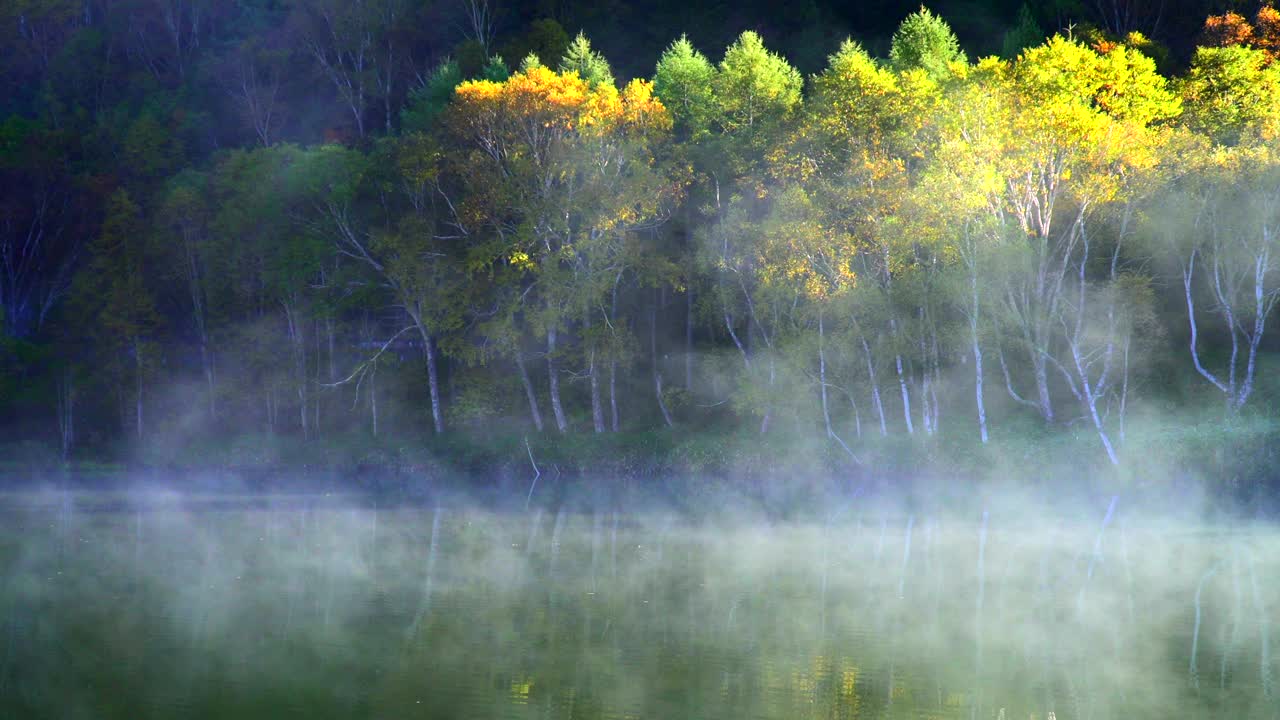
315 607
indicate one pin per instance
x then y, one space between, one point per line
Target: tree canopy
317 222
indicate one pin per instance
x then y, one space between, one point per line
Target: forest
464 234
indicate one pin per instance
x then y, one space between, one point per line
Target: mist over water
163 605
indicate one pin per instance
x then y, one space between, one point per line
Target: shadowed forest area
636 239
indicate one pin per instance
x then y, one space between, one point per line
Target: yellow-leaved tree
558 176
1076 127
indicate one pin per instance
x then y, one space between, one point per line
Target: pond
168 606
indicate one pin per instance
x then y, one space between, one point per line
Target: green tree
546 40
1025 33
117 308
925 41
1084 122
1232 93
406 256
684 81
865 133
756 95
756 91
555 174
589 64
271 258
1215 219
184 248
427 102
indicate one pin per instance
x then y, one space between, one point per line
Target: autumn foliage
732 240
1233 29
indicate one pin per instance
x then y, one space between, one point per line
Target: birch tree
1221 221
555 172
1074 121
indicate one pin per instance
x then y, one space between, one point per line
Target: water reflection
323 609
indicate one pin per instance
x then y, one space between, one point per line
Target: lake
294 606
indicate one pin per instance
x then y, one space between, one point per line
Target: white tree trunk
298 342
926 395
822 376
534 411
597 408
553 375
1089 394
822 382
875 387
613 394
902 380
433 383
977 354
657 371
1042 387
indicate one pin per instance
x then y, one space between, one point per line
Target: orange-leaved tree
1231 29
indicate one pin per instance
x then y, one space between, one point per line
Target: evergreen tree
754 85
1024 34
589 64
925 41
683 81
428 101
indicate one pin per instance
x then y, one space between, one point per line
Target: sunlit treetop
543 99
925 41
754 86
642 110
1233 29
1267 30
1104 43
589 64
552 99
530 62
683 79
1061 120
858 110
1232 94
1064 75
853 95
851 79
1226 29
1131 90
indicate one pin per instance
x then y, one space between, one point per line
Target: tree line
895 246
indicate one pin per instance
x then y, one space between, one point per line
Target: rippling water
178 607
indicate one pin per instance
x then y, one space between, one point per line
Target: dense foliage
304 220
